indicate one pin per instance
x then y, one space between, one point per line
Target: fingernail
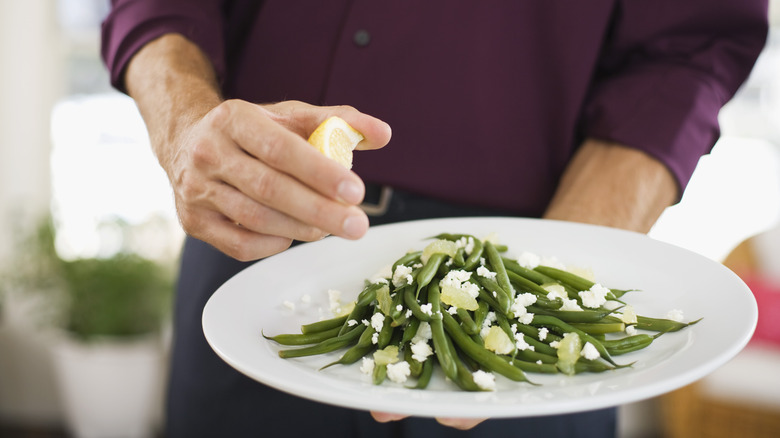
350 192
355 226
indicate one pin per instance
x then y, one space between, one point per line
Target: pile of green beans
456 334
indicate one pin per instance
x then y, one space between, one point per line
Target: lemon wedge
336 140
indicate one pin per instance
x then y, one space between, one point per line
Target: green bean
383 339
629 344
425 376
501 298
459 259
467 322
408 259
444 354
525 284
429 269
357 351
304 338
573 316
410 330
486 358
415 366
323 325
531 335
326 346
379 374
575 281
531 367
496 262
476 253
411 302
361 305
661 325
397 313
481 313
600 328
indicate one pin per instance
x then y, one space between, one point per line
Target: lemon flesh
336 139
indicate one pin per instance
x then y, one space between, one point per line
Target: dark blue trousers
208 398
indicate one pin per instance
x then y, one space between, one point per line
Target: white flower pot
110 388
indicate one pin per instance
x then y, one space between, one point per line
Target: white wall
31 80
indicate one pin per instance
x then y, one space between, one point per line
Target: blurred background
84 207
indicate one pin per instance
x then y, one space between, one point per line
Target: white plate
669 278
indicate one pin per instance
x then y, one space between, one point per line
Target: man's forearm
608 184
174 85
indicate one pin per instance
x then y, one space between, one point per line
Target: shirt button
361 38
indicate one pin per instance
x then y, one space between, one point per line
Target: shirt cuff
132 24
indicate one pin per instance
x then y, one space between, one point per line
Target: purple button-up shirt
488 100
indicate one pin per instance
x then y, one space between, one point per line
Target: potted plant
110 356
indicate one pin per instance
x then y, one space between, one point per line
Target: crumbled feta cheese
306 298
630 330
484 380
408 313
539 362
380 280
570 305
367 367
449 261
427 309
521 344
594 297
554 344
490 318
528 260
589 352
459 279
521 302
484 331
399 307
365 322
375 338
467 243
378 321
675 315
289 304
352 322
526 318
543 333
421 350
423 332
398 372
452 310
417 265
401 275
334 298
485 272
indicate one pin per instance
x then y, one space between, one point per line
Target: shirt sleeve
668 68
133 23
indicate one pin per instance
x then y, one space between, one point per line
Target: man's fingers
303 119
230 238
254 216
460 423
384 417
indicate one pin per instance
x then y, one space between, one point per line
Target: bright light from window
105 175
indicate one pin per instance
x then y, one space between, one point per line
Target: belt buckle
381 206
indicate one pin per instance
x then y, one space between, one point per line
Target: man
586 111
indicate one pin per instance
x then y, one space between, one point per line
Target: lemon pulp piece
439 246
569 349
386 356
336 140
455 296
498 341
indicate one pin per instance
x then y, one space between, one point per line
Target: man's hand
244 178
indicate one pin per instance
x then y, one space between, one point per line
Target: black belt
388 204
